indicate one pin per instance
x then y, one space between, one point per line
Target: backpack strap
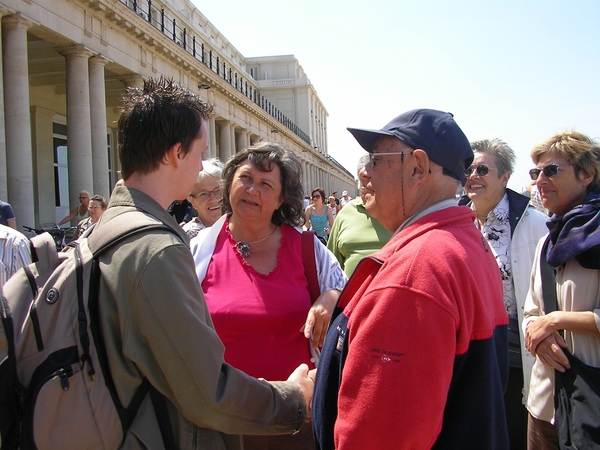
122 227
126 415
310 266
159 402
35 321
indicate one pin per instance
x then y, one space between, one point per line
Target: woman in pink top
250 267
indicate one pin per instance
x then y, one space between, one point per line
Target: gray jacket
156 325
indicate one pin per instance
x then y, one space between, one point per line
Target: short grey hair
362 163
212 167
505 157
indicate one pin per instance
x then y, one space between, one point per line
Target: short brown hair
154 119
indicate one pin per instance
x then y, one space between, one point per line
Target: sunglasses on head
550 170
481 170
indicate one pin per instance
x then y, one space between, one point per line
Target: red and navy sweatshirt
416 356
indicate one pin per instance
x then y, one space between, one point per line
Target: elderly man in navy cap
416 356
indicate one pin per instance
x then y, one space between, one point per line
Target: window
61 171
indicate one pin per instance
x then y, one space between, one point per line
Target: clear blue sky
516 70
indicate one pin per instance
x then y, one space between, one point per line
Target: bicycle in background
61 236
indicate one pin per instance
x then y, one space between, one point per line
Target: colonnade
15 121
26 138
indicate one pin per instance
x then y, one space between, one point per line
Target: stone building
66 64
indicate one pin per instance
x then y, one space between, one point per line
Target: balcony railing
203 54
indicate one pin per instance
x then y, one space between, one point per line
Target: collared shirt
496 231
14 252
193 227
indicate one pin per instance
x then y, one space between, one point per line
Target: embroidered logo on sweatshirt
386 356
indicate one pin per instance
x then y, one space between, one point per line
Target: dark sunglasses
550 170
481 170
316 196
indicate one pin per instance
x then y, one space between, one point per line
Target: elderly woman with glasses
205 196
567 176
512 228
98 205
319 217
251 270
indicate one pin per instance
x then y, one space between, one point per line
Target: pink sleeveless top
258 317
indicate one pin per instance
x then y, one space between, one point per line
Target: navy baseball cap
433 131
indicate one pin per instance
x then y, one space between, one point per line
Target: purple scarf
576 234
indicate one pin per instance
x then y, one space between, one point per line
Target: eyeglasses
205 195
550 170
482 170
316 196
374 158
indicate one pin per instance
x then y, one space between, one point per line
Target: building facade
67 63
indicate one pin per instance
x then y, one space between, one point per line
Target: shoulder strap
310 266
548 281
122 227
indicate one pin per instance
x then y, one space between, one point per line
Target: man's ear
421 166
174 155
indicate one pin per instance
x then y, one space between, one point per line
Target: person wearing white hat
345 199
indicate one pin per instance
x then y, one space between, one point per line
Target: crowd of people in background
419 322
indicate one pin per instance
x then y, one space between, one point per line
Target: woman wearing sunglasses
512 228
566 173
319 217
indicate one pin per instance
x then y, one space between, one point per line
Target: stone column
241 140
232 148
212 137
225 141
43 162
305 177
79 127
17 119
98 125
